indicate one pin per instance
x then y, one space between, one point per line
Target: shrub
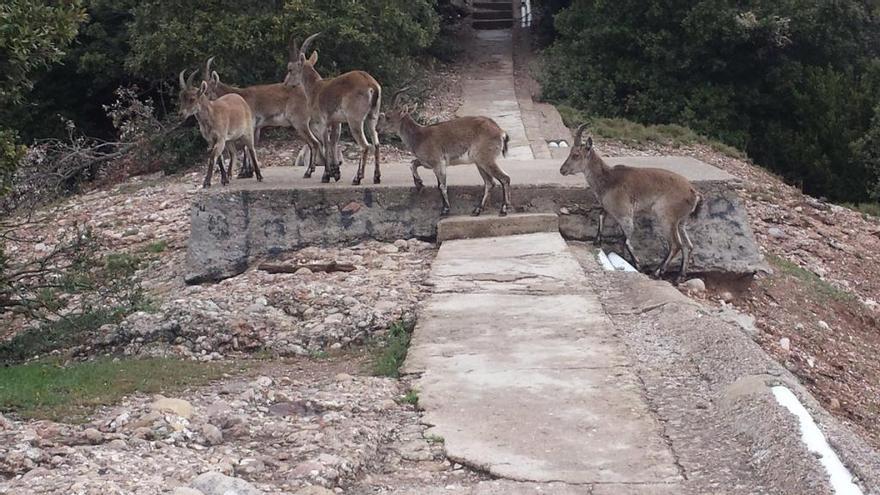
792 83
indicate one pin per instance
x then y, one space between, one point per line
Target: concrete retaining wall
233 228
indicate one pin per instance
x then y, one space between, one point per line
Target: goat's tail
505 140
698 205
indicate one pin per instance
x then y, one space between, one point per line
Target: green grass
868 209
391 354
630 132
48 390
157 247
819 286
411 398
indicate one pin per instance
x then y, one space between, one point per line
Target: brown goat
273 105
354 98
225 120
477 140
626 191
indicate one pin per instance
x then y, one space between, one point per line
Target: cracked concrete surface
522 375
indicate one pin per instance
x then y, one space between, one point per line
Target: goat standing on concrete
477 140
225 120
626 191
273 105
354 97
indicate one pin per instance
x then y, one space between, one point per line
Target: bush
792 83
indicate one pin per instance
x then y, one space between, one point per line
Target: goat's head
579 155
298 61
390 122
190 96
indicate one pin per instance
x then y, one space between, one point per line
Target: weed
391 354
631 132
319 355
435 439
819 286
49 390
411 398
157 247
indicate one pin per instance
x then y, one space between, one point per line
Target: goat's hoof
476 212
503 212
420 186
206 185
259 178
377 180
444 212
307 175
325 180
356 182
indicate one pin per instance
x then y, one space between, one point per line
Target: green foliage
157 247
10 154
391 354
50 390
250 38
33 35
792 83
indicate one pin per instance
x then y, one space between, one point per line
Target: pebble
785 343
776 232
823 326
93 436
694 285
177 407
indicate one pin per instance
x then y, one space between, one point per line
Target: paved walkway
488 88
521 374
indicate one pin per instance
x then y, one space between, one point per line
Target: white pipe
840 477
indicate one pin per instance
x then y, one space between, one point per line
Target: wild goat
225 120
477 140
354 97
273 105
625 191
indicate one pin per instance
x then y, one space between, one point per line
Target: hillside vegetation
794 84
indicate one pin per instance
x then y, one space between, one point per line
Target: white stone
785 343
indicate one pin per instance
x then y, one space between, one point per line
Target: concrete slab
470 227
521 374
505 487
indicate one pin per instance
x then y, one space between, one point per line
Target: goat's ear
215 77
314 58
589 142
203 88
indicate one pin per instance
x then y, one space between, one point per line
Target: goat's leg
504 179
673 241
417 179
440 172
488 185
252 151
372 122
247 170
627 225
305 133
601 227
356 127
232 152
686 255
333 134
216 150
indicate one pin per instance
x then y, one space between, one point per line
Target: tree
33 35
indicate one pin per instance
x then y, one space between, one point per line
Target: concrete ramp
521 373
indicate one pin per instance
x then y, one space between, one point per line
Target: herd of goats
313 106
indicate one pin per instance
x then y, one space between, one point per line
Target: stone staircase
493 14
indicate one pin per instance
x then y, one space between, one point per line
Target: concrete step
493 15
491 225
493 6
486 25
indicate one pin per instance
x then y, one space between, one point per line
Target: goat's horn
308 42
208 67
395 99
192 76
292 49
579 134
182 80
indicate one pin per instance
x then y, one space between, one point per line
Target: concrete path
522 376
488 88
